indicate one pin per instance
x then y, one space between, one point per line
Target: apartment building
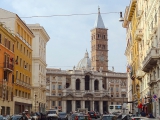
39 67
23 58
7 55
146 35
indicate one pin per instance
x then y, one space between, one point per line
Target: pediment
69 95
106 96
88 73
90 95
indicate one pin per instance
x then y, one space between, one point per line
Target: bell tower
99 45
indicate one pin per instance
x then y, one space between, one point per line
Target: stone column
93 84
73 105
100 107
83 104
64 106
90 84
100 84
82 84
73 83
92 105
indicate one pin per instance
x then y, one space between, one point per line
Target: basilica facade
89 85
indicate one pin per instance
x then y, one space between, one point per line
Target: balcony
139 74
139 34
131 9
151 59
151 81
8 67
19 82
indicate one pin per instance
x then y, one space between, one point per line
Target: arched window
77 84
96 83
87 78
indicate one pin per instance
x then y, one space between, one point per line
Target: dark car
1 117
73 116
16 117
43 116
98 114
109 117
7 117
92 114
63 116
79 116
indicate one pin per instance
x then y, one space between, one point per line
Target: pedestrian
143 114
27 114
150 115
24 117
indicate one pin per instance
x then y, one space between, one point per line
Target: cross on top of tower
98 10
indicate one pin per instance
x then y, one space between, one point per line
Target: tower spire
99 22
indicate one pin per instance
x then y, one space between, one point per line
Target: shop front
20 107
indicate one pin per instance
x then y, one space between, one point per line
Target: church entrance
78 104
87 105
69 106
105 106
96 106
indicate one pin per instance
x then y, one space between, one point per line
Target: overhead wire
63 15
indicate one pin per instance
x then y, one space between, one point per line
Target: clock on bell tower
99 45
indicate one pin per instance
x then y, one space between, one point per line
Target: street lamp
35 102
121 19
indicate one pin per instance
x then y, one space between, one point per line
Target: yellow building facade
132 22
23 60
23 67
143 16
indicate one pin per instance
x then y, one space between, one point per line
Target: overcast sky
70 35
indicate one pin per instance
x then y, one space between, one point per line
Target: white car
107 117
142 118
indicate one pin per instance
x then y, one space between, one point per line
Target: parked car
16 117
52 115
35 116
137 118
109 117
80 116
63 116
92 114
98 114
43 116
73 116
1 117
7 117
